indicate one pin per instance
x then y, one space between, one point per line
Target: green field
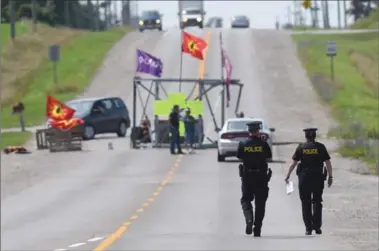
13 138
5 31
353 95
81 55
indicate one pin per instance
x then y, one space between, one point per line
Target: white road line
96 239
77 245
81 243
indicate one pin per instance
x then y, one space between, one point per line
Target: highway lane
66 199
199 208
149 200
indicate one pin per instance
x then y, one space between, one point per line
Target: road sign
331 49
54 53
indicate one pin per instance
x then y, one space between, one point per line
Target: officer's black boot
307 216
249 227
317 217
249 215
257 232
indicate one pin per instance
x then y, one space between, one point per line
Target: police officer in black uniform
255 176
312 175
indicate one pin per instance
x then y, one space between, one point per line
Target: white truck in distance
191 13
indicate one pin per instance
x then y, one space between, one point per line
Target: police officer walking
255 176
312 175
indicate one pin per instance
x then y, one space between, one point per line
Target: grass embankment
21 28
13 139
304 28
28 75
353 95
371 22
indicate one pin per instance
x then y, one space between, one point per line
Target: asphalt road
125 199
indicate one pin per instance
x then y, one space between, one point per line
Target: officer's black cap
312 129
254 126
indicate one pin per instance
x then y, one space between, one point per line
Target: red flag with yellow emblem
66 124
57 110
193 45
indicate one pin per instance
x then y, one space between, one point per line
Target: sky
262 14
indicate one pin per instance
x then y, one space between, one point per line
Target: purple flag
149 64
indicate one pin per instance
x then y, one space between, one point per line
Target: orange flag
66 124
57 110
193 45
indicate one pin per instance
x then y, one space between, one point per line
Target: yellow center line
133 217
124 226
201 72
106 243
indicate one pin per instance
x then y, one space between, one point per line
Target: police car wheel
220 158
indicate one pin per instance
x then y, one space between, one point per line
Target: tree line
362 8
71 13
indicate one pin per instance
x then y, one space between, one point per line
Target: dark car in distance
102 115
240 22
150 20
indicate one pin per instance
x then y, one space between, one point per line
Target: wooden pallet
60 141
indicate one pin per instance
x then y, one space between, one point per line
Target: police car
234 131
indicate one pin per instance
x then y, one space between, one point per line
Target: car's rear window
240 18
240 125
80 107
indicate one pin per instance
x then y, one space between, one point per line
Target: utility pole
12 15
344 13
295 14
34 15
327 13
289 15
115 12
106 14
339 13
67 13
97 7
314 13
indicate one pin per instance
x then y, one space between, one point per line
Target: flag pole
135 93
223 81
181 60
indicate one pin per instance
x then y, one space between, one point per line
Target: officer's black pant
254 189
311 188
